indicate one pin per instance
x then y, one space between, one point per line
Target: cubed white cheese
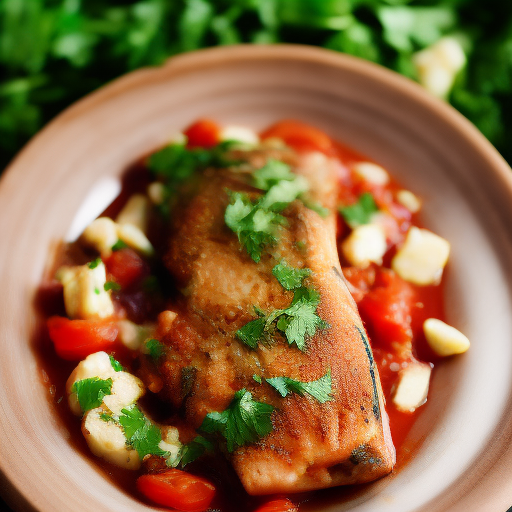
133 335
409 200
133 237
170 440
136 212
422 257
84 293
106 439
101 234
156 192
240 134
444 339
366 244
438 65
412 389
372 173
126 390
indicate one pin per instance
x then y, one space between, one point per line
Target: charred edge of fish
375 398
363 455
188 378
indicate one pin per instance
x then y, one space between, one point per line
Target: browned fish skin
312 445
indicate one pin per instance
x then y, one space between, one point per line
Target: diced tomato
300 136
177 489
387 309
76 339
126 267
203 134
279 505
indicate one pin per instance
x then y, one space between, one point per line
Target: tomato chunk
300 136
387 309
126 267
279 505
203 134
177 489
76 339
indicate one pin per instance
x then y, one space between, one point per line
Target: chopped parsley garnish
155 349
90 392
106 417
196 448
272 173
316 207
112 285
319 389
94 263
97 291
118 367
256 378
119 245
140 433
360 212
252 332
244 421
290 277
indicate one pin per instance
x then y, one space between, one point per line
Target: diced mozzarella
132 335
132 236
438 65
422 257
156 192
101 234
444 339
372 173
94 365
126 390
135 212
170 440
240 134
84 292
409 200
366 244
412 389
106 439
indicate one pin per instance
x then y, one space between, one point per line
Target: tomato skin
279 505
126 267
203 134
177 489
300 136
76 339
387 309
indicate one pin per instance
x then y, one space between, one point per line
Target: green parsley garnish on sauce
155 349
90 392
111 285
94 263
319 389
244 421
116 365
360 212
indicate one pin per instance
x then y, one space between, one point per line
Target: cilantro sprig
155 349
290 277
359 212
244 421
90 392
320 389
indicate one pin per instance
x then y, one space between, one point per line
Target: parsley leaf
289 277
106 417
140 433
272 173
252 332
196 448
155 349
244 421
360 212
319 389
119 245
284 192
112 285
257 378
94 263
90 392
118 367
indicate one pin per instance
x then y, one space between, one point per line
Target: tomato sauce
392 310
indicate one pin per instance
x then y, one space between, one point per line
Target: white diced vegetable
240 134
156 192
135 238
170 440
84 291
106 439
412 389
444 339
366 244
438 65
135 212
101 234
126 390
133 335
422 257
372 173
409 200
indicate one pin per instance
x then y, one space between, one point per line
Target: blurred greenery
52 52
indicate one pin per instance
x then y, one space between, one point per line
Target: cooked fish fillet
312 445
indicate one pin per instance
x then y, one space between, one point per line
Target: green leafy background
52 52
